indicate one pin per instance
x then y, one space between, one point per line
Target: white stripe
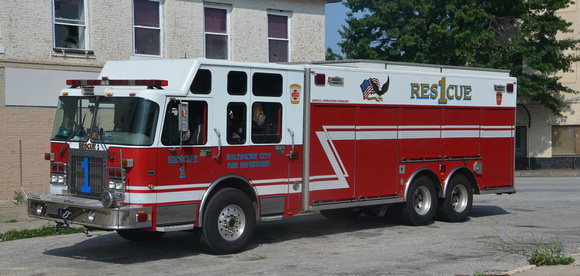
460 134
427 127
419 134
376 135
497 134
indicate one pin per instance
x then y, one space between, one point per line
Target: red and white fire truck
213 146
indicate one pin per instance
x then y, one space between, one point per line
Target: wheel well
426 172
467 173
234 182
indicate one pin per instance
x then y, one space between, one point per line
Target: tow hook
88 232
64 224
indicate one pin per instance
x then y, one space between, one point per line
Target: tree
331 55
517 35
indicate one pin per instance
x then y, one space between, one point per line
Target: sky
335 16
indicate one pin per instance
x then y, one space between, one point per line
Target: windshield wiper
103 144
77 129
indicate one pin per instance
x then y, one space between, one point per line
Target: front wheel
419 209
228 223
456 205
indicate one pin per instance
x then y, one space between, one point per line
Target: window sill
73 53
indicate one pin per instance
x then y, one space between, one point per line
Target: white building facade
546 141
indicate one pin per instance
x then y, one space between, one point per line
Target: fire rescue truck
212 146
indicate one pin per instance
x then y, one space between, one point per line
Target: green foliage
330 55
516 35
537 250
11 221
43 231
19 197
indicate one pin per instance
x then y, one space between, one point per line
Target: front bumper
87 212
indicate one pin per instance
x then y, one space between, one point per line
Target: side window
237 83
266 122
236 123
202 82
197 124
267 84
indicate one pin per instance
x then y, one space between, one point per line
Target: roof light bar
108 82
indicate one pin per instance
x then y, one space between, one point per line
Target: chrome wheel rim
231 222
459 198
422 200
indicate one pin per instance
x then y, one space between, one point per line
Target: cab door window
266 122
236 120
197 134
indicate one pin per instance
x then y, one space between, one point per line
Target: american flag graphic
367 88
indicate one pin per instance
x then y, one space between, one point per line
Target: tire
139 235
456 205
229 221
341 214
420 207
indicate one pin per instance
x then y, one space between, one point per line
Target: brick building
43 43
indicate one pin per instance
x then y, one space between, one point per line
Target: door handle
219 135
291 154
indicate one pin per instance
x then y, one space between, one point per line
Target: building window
566 140
147 27
278 38
216 33
70 24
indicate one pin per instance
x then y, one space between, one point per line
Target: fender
219 182
412 177
454 172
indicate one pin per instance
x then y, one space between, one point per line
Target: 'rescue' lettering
441 91
182 159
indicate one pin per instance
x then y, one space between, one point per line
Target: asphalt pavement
14 216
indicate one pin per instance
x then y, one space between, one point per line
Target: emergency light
108 82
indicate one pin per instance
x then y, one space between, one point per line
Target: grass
11 221
537 250
47 230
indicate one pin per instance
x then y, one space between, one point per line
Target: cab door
184 161
268 160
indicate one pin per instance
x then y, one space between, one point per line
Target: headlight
116 185
58 179
119 185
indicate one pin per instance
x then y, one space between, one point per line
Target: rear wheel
229 221
139 235
456 205
419 209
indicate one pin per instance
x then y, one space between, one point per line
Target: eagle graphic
370 89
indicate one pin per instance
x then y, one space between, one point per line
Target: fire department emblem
295 93
370 89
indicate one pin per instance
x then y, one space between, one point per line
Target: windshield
126 121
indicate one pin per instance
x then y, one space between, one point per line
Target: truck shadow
108 247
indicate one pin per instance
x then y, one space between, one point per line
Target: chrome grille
87 172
